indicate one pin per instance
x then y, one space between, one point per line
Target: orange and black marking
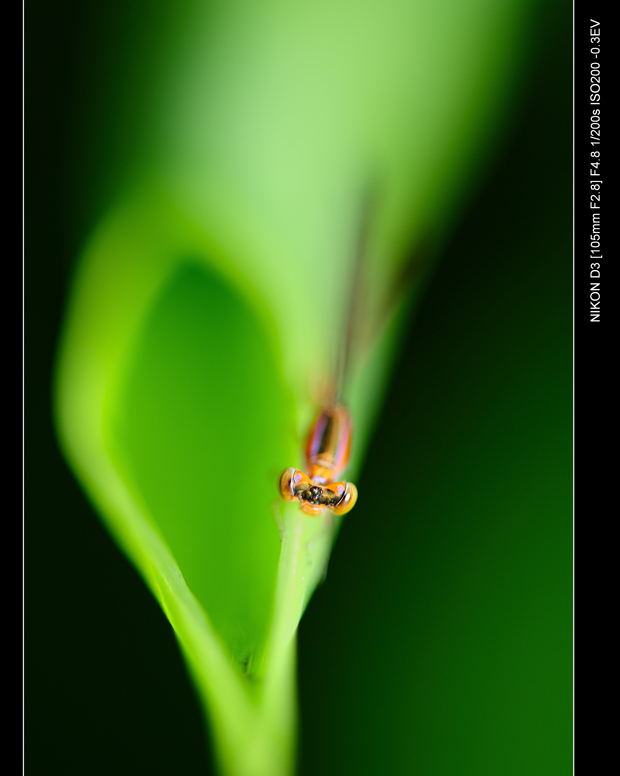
327 453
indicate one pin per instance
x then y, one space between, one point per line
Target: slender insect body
328 444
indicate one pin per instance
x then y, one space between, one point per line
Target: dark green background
441 640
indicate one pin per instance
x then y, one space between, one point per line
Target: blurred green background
441 641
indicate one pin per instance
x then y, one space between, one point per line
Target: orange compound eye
348 498
290 482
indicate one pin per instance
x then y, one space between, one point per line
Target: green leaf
207 306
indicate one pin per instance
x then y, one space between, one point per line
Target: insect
328 444
329 441
327 454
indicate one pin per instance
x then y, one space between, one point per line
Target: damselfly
328 443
